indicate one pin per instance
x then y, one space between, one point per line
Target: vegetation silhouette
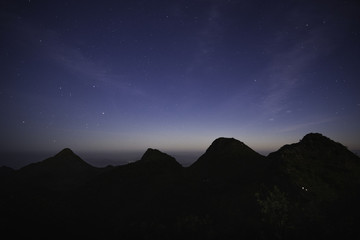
308 189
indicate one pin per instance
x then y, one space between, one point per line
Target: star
219 81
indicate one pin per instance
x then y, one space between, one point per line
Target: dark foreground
306 190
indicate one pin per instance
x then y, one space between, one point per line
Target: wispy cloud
306 125
207 38
91 71
284 74
291 63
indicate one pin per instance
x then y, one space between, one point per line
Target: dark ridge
64 159
152 165
67 158
322 178
227 157
6 171
154 157
317 147
315 137
224 145
65 169
317 163
305 190
66 152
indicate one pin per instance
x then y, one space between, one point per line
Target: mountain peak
314 137
314 148
314 143
66 159
66 152
318 142
65 169
154 154
227 156
230 147
228 143
67 156
315 155
157 157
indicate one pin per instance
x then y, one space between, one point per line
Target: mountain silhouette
322 178
317 159
64 160
228 158
152 164
156 158
309 189
65 169
136 195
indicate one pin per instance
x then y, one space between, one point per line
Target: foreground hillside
308 189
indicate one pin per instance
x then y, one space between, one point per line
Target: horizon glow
175 75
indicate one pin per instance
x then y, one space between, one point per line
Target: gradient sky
175 75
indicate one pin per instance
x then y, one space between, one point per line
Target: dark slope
6 172
228 158
63 170
6 175
153 164
133 200
321 178
39 193
64 161
222 184
153 158
154 167
308 189
318 164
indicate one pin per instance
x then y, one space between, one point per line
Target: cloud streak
291 63
306 125
90 71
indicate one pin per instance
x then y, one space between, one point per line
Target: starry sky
105 76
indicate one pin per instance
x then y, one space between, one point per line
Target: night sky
117 76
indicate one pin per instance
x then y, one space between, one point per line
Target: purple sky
175 75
